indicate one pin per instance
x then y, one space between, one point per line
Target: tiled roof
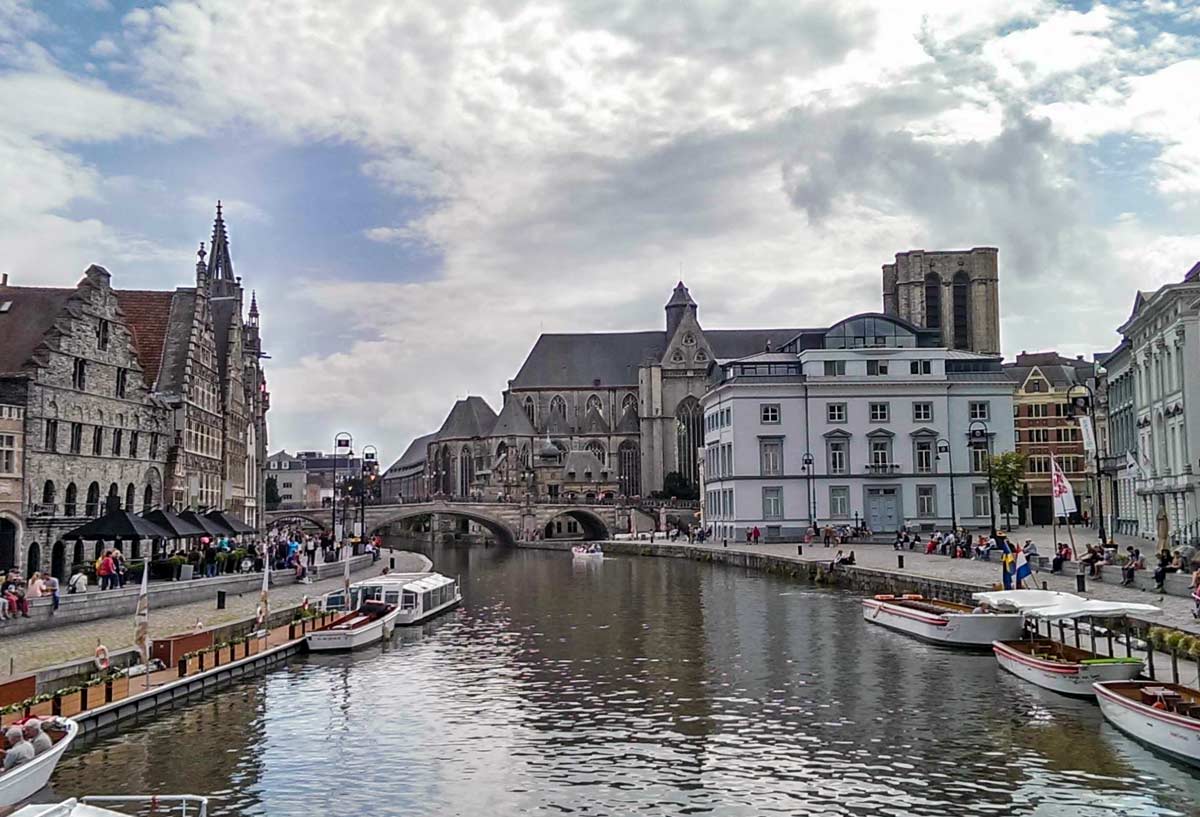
147 314
30 314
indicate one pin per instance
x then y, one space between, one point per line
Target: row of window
202 439
79 377
722 418
878 412
92 505
719 458
1040 463
719 504
1043 410
117 449
1067 434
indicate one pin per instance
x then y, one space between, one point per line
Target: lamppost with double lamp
1078 406
808 475
978 430
343 439
370 455
944 447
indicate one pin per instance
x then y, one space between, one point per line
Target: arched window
677 356
594 402
629 403
597 448
148 499
501 463
525 460
530 410
933 301
58 555
71 500
8 545
78 555
114 498
445 474
689 339
701 357
48 495
130 497
558 406
962 311
629 468
33 564
689 433
93 500
466 471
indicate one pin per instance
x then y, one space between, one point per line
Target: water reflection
638 685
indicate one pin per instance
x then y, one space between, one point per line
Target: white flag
264 596
1064 495
141 617
1132 464
1088 434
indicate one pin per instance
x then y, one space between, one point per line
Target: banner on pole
1089 435
141 617
1060 487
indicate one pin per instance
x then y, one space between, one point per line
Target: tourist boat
1052 664
377 605
187 805
584 551
29 778
942 622
1165 717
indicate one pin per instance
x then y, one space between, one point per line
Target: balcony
888 469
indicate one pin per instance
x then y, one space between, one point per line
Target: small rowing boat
1165 717
24 781
942 622
585 551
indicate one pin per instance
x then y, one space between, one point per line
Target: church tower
953 291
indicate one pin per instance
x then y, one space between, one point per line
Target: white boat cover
1080 608
68 808
1024 600
431 582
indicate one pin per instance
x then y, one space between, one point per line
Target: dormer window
701 357
689 339
677 356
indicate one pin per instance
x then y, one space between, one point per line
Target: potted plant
93 692
118 687
68 701
192 662
40 706
176 563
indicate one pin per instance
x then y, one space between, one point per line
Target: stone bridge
509 522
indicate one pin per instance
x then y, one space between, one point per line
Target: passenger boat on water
585 551
186 805
24 781
1165 717
1055 665
942 622
377 605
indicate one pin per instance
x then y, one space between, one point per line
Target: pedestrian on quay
13 593
106 570
78 582
757 535
120 569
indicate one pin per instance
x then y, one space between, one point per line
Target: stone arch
321 521
92 508
114 498
147 499
77 556
33 561
501 530
58 567
152 495
48 494
593 527
130 496
71 500
10 535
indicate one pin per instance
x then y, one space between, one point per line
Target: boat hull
410 617
951 629
1065 678
1166 732
21 783
342 640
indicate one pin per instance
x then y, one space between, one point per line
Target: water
637 686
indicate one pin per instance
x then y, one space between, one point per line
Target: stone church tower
956 292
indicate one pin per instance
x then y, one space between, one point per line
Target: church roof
470 417
512 422
30 315
414 455
223 311
613 358
681 296
147 314
177 340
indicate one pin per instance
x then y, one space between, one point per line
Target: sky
416 190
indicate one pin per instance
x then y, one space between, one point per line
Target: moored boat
1165 717
377 605
24 781
942 622
187 805
365 624
1062 668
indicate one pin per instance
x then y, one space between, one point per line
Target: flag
1131 464
141 617
1064 495
264 596
1088 434
1022 570
346 572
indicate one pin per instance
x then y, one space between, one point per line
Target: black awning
209 527
119 525
167 519
235 525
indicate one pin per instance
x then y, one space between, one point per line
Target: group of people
292 547
25 742
14 596
842 559
838 534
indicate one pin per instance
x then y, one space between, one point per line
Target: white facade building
1163 334
868 401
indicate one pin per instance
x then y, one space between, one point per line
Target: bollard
1045 585
1080 582
900 560
724 543
393 559
799 550
220 599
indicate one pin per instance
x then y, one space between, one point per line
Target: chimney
3 279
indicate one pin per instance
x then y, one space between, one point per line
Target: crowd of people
24 742
295 549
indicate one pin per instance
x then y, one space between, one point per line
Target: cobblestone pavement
44 648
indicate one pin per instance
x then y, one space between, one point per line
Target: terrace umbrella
209 527
235 525
167 519
118 524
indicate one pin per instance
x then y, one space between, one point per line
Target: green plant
1173 640
1158 637
1007 470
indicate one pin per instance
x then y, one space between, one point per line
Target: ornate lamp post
1080 405
370 457
342 439
978 430
943 447
808 475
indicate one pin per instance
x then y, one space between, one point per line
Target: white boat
584 552
942 622
1054 665
1165 717
424 595
26 780
377 605
187 805
367 623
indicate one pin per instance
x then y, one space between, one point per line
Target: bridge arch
593 527
501 530
321 520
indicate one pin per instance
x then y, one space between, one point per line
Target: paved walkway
44 648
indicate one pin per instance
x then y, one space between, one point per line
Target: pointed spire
201 268
253 304
221 264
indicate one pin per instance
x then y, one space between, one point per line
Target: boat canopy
1082 608
426 583
1025 600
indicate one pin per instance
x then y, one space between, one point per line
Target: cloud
104 48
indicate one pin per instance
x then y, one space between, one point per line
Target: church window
629 468
701 357
962 328
79 374
689 428
529 409
122 381
593 402
102 336
933 301
558 406
629 403
689 339
597 448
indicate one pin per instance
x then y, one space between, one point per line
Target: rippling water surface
637 686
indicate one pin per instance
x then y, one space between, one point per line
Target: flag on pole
1088 434
346 571
141 617
1131 464
264 596
1064 495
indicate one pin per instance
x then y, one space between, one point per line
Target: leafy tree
273 498
1008 474
677 486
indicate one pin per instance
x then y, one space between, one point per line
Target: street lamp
978 430
808 475
370 457
1078 405
944 447
342 439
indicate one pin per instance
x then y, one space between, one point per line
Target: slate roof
580 463
177 340
470 417
512 422
26 322
613 358
147 314
413 456
680 296
223 310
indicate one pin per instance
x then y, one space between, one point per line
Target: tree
677 486
273 498
1008 474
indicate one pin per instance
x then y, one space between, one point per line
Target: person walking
106 570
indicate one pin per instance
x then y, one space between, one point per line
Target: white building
1163 334
845 425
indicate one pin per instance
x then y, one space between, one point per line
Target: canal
637 685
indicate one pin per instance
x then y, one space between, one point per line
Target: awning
209 527
119 525
1085 608
1023 600
167 519
235 525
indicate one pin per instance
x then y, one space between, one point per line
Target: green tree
677 486
273 498
1008 473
